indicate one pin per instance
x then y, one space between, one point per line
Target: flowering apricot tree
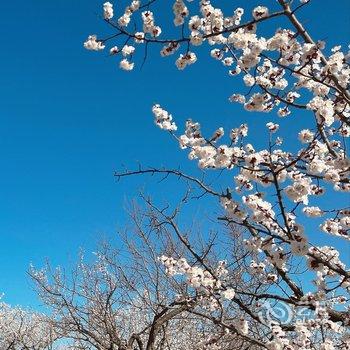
22 329
125 300
284 73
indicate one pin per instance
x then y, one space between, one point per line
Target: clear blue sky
69 118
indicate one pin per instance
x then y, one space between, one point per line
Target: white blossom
163 119
126 65
260 12
93 44
108 11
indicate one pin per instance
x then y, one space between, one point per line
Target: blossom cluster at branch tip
108 12
163 119
93 44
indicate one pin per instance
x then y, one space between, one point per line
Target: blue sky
69 118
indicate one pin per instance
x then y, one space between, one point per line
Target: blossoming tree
284 73
22 329
125 300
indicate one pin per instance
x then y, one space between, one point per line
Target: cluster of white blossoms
303 334
300 190
163 119
149 26
306 136
260 12
180 12
316 261
126 51
93 44
248 51
261 210
237 133
184 60
338 227
273 127
125 19
256 167
257 268
169 49
324 110
108 12
125 64
270 77
200 279
313 211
